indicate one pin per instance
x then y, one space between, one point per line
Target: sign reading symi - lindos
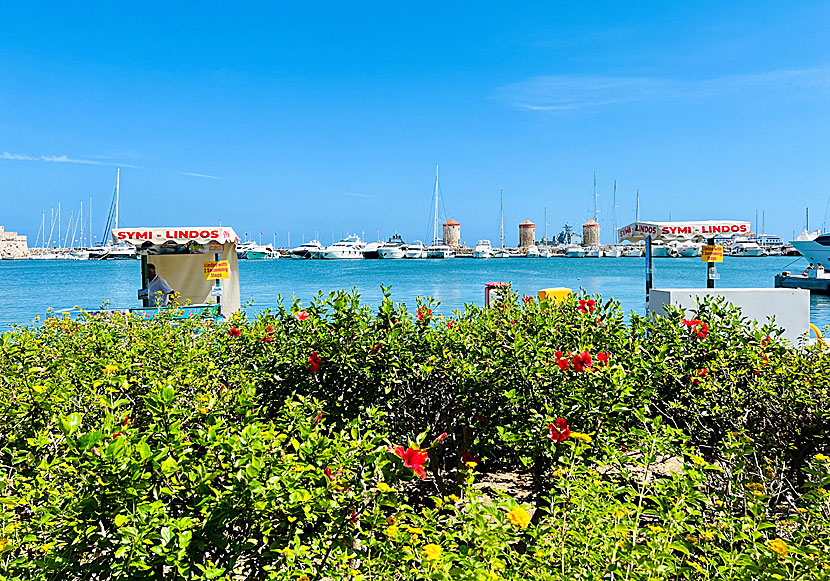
682 230
140 236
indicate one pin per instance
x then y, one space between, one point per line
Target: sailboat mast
546 225
616 237
501 219
596 200
59 224
90 220
435 219
117 188
637 211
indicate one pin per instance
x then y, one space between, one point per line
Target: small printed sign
216 269
214 246
216 290
711 254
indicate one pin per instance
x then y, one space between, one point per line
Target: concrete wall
789 307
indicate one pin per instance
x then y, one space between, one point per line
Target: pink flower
559 431
301 316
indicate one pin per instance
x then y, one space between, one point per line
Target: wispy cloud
16 156
568 92
58 159
356 195
201 175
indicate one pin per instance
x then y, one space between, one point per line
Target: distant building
590 233
13 244
452 233
527 234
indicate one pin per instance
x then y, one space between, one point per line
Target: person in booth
156 285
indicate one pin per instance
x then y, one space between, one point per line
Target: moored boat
350 248
483 249
306 250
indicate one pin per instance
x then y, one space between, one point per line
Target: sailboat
108 251
614 251
438 249
501 252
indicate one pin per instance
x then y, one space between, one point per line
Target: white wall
790 307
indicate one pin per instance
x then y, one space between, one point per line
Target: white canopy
669 231
158 236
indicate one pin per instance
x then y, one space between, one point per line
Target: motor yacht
440 251
371 249
593 252
687 249
742 246
393 248
575 251
545 252
266 252
306 250
632 251
659 249
612 251
531 252
483 249
350 248
415 250
813 246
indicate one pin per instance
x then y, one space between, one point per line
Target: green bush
264 448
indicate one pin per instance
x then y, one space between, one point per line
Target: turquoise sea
29 287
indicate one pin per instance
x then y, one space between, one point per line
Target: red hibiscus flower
423 314
269 329
375 348
234 332
413 458
301 316
469 457
586 306
564 364
527 299
317 418
702 330
450 324
765 341
116 434
582 361
126 421
314 361
268 339
602 357
559 431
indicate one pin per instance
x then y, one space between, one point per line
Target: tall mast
59 223
51 227
90 220
616 239
117 187
42 229
637 211
596 200
501 219
546 226
435 221
81 220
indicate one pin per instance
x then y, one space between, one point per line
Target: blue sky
330 117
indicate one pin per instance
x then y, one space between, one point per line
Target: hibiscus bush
333 439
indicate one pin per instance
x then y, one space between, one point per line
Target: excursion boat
632 251
415 250
483 249
531 252
687 249
612 252
545 252
350 248
394 248
306 250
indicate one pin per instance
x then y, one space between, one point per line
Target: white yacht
545 252
742 246
349 248
612 251
483 249
813 246
306 250
393 248
440 251
500 253
531 252
629 251
415 250
575 251
687 249
593 252
370 250
659 249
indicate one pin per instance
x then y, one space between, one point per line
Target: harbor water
29 287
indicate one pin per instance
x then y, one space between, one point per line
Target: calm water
29 287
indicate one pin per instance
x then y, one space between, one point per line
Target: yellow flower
801 510
3 544
698 460
392 531
778 546
37 317
656 529
519 517
303 577
383 487
707 535
110 369
822 458
581 437
391 520
415 530
432 552
470 464
757 493
453 498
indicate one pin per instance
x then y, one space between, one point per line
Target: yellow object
815 330
216 269
711 254
554 294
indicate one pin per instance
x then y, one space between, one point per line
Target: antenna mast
501 219
637 211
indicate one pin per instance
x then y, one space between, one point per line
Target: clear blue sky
321 117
